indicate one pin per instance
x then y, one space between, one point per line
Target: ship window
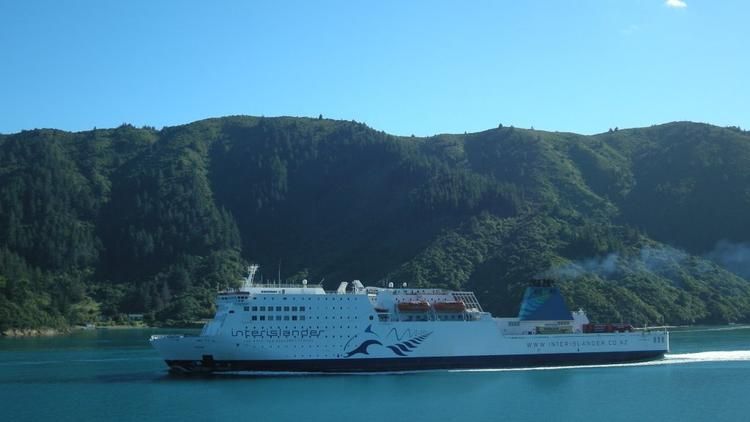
255 308
302 309
286 308
286 317
278 317
371 318
278 309
294 317
232 311
262 317
262 308
255 318
247 308
294 309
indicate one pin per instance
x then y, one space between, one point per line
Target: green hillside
103 223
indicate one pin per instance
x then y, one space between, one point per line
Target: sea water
114 375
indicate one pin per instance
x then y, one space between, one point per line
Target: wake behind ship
274 328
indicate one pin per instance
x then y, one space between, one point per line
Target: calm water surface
114 375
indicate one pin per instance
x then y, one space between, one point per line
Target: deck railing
469 299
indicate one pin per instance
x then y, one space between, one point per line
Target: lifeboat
415 306
456 306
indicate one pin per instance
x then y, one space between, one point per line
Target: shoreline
34 332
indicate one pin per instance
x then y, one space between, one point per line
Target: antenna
279 275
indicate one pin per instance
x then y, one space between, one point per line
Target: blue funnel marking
543 304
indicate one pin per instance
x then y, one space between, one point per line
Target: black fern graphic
407 346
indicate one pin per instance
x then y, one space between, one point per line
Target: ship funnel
544 304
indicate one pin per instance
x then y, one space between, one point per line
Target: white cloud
679 4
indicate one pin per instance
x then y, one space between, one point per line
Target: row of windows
287 317
285 308
278 308
294 298
278 318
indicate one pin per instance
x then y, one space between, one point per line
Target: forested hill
645 225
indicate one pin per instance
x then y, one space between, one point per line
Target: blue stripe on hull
412 364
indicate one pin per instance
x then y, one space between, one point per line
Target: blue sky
406 67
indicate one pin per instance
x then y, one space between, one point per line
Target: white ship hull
365 332
440 349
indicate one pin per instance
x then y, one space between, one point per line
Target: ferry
305 329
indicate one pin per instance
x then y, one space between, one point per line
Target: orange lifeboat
414 306
456 306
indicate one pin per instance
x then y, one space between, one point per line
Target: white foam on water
713 356
669 359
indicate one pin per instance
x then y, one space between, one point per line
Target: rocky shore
32 332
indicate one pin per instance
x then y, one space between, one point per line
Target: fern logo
402 348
